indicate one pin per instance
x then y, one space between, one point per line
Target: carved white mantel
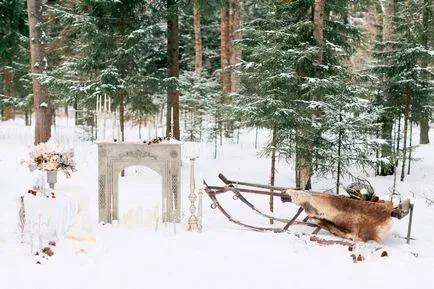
164 158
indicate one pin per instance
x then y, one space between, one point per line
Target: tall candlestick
192 221
105 103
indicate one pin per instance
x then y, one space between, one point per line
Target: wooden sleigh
346 217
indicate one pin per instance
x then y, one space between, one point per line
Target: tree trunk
339 169
398 142
273 167
140 125
387 121
424 131
377 154
27 118
197 38
404 145
388 23
122 93
196 119
235 25
424 122
225 46
386 149
304 172
75 106
42 104
396 139
53 116
8 112
172 118
410 147
318 29
122 115
304 159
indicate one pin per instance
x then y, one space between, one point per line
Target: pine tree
411 80
347 119
288 72
117 49
14 61
201 93
403 63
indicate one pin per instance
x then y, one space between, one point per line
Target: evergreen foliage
284 88
323 111
407 65
14 54
116 47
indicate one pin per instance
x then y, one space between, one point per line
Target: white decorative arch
164 158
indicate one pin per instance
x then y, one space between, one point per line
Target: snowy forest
338 83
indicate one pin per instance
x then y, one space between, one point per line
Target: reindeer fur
345 217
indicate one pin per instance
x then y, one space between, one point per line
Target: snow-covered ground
224 255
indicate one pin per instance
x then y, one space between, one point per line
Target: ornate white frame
164 158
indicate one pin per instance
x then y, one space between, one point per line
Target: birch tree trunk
172 117
42 104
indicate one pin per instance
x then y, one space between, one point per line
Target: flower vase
51 178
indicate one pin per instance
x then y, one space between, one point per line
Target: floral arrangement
48 157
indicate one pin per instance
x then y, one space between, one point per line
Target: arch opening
140 196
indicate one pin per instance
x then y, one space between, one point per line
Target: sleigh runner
355 217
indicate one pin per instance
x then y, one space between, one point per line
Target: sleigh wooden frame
238 188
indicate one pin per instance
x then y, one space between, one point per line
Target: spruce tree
404 63
14 58
118 50
284 81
